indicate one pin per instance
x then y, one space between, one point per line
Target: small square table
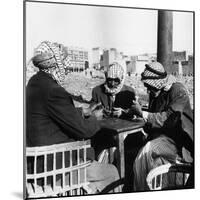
121 128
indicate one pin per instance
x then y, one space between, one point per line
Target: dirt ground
81 85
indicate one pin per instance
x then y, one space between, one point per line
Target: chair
57 170
171 176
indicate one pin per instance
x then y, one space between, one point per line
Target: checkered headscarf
116 70
154 75
49 57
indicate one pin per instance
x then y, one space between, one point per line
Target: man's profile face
113 82
152 91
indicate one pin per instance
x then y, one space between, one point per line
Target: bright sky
133 31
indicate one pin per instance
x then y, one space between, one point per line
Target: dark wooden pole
165 37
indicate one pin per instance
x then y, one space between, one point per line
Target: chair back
57 170
169 176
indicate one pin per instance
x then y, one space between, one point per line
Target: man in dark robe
115 97
169 124
51 117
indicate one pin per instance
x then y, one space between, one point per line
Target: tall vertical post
165 37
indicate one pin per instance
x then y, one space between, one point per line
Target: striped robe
155 153
170 129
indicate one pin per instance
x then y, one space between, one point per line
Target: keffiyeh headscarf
115 70
49 57
155 76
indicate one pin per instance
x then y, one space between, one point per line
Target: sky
132 31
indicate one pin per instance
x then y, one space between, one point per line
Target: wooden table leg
121 159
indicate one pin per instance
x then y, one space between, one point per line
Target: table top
121 125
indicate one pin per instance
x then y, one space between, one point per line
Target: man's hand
145 115
136 109
95 106
88 111
117 112
98 114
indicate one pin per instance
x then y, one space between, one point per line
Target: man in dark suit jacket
115 97
51 117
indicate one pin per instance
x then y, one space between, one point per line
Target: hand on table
88 111
145 115
136 109
95 106
117 112
98 114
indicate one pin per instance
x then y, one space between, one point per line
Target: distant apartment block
136 65
108 57
180 55
96 57
182 63
78 58
102 58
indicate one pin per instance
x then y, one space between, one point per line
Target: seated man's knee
148 148
113 172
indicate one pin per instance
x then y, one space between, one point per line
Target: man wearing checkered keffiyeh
116 99
169 124
50 58
52 117
115 71
113 94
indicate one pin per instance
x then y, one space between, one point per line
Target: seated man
169 124
51 117
115 97
116 100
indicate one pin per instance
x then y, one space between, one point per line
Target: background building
182 63
102 58
107 57
136 65
96 57
78 58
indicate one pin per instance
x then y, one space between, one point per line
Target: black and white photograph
108 99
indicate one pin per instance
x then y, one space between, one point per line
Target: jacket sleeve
61 109
94 96
129 113
132 92
178 98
